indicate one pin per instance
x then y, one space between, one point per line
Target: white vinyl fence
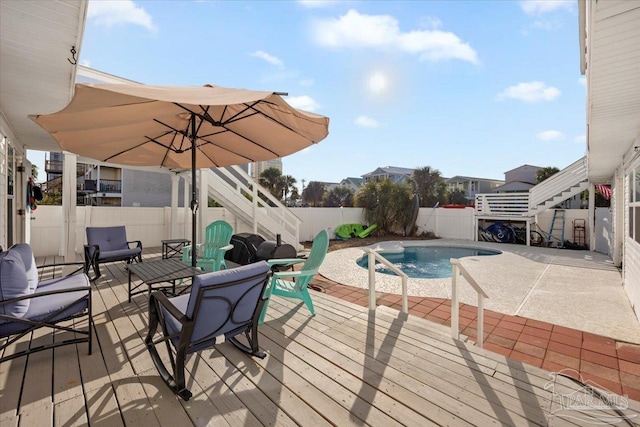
151 225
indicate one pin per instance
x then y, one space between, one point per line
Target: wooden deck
345 366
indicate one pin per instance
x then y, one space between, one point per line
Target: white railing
562 181
502 204
233 188
456 270
373 256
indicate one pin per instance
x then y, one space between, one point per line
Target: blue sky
471 88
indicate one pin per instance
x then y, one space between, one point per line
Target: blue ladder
557 214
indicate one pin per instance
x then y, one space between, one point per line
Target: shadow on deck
345 366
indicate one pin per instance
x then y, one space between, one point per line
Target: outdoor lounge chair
27 304
297 288
211 252
226 302
109 244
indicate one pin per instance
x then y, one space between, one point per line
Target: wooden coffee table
159 271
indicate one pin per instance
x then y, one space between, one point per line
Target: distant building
519 179
328 186
472 186
393 173
258 167
99 185
352 183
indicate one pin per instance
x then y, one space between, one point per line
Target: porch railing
373 256
456 270
502 204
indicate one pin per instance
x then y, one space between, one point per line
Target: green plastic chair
297 288
211 252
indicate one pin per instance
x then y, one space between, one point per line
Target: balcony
56 167
103 186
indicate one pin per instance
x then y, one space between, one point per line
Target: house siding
523 174
148 189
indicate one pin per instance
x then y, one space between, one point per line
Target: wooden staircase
565 184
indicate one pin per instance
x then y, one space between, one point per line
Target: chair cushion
29 262
41 307
172 324
118 255
14 283
108 238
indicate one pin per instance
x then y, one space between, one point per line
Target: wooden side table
173 247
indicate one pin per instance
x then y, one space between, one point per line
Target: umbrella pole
194 194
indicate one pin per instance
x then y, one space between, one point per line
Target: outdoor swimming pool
425 262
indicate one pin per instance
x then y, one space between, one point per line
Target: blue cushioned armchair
222 303
109 244
27 303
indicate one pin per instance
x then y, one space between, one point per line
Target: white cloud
550 135
112 13
580 139
383 31
539 7
303 102
316 4
582 80
546 25
431 22
85 63
273 60
367 122
530 92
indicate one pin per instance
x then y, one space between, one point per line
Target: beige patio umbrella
181 127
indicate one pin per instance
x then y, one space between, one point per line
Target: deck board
343 366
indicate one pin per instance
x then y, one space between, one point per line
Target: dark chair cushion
118 255
41 307
172 324
108 238
14 283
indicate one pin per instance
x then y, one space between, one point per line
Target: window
633 183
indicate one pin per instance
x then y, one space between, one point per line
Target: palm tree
287 183
385 203
270 179
428 185
313 193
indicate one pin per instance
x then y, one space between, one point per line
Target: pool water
425 262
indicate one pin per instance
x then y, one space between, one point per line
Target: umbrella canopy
181 127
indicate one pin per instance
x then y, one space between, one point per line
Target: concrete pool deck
576 289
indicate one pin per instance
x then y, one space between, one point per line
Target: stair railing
269 215
456 270
373 256
558 183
